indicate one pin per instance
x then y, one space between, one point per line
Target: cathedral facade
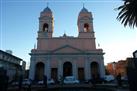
66 56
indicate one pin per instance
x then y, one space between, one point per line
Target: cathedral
66 55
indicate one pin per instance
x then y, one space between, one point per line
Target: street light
135 58
135 54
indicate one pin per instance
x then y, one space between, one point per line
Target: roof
5 53
47 9
71 48
84 10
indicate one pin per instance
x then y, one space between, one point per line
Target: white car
26 82
49 81
124 78
15 83
40 82
109 78
70 80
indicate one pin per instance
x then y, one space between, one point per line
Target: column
47 70
74 69
102 68
60 69
87 69
32 69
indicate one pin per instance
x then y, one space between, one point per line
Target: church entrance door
67 69
54 73
39 72
81 74
94 68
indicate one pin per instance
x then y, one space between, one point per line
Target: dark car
96 81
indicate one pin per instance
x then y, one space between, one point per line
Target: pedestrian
45 81
93 81
29 87
119 81
61 79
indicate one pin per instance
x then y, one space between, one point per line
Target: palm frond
128 13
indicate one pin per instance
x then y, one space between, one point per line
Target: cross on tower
47 4
83 5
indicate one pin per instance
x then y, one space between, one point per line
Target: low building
114 68
121 67
110 68
12 66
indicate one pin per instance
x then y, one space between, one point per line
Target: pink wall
54 43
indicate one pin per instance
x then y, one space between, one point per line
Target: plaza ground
73 87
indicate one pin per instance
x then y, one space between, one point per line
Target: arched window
86 27
45 27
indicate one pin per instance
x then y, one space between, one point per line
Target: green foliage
128 13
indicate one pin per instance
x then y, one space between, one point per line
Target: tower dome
84 13
83 10
47 9
46 12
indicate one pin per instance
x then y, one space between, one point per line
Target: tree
128 13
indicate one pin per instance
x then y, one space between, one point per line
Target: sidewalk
121 89
125 87
111 87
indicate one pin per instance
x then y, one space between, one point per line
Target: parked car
26 82
70 80
49 81
109 78
95 81
14 83
124 79
40 82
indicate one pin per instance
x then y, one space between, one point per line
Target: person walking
45 81
119 81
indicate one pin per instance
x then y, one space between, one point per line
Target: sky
19 26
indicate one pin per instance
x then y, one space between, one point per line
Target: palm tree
128 13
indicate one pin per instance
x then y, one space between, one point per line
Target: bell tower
45 23
85 24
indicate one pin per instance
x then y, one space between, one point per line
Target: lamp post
135 54
135 58
20 76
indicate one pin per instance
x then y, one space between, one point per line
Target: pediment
67 49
